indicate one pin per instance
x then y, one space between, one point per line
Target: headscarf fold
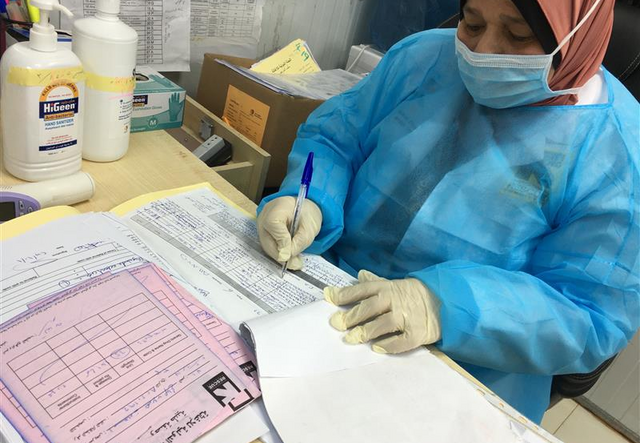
582 56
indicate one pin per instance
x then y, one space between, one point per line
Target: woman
491 173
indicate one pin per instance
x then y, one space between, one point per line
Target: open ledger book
209 247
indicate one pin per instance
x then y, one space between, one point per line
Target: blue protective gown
524 222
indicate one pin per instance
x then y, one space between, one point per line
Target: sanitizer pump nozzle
43 36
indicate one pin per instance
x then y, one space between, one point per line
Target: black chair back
623 55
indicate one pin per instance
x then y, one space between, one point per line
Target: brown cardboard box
271 120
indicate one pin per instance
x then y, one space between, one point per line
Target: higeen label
58 115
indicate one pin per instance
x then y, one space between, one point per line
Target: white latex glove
273 229
403 306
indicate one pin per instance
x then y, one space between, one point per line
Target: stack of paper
293 71
78 253
209 248
320 85
120 357
99 345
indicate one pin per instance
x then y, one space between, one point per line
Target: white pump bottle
42 101
107 48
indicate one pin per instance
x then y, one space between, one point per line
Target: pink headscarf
583 54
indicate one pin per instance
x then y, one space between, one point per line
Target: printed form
231 27
225 18
125 369
216 248
203 323
33 269
80 248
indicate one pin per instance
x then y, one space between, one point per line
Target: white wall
329 26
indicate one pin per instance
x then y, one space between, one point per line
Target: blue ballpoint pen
302 195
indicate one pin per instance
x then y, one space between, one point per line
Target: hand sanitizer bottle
107 48
42 101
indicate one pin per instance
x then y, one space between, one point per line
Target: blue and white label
58 109
58 114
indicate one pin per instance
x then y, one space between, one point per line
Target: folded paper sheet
318 389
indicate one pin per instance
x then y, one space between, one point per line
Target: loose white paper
413 399
318 389
300 342
163 28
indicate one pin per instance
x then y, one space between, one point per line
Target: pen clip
308 171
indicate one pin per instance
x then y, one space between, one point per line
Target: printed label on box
245 114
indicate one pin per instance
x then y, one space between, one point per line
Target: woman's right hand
273 229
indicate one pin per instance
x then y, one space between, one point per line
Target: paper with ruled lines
67 252
107 361
216 248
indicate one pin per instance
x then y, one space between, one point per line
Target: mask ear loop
578 26
561 45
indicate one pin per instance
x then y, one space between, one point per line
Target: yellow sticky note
245 114
34 13
295 58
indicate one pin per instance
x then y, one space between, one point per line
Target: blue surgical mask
505 81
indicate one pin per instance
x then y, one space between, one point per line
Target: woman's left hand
384 306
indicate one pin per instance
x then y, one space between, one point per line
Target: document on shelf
106 361
216 248
295 58
320 85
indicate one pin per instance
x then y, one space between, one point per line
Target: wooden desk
155 161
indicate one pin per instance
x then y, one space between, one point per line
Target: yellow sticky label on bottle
43 77
111 84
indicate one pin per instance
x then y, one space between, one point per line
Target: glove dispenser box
158 103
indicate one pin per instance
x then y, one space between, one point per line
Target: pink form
216 334
188 310
20 420
91 365
223 333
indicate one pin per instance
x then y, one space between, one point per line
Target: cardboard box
158 103
268 119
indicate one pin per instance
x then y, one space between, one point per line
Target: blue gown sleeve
336 133
576 305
